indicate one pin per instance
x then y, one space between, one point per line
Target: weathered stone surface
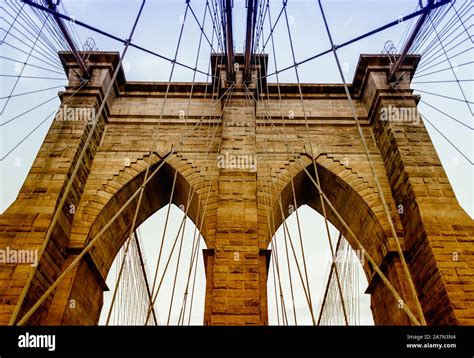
238 207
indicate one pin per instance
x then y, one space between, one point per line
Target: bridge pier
236 271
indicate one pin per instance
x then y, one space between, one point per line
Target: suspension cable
58 210
323 208
374 174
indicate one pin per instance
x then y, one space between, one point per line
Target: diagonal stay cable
14 21
460 19
447 115
127 246
169 259
201 27
440 81
28 111
190 193
448 30
38 126
431 65
358 245
443 96
199 123
424 34
30 65
286 232
57 66
144 275
48 55
452 69
188 202
361 37
276 265
174 180
283 124
442 70
328 281
323 208
127 42
34 77
196 238
68 188
30 92
374 173
21 72
176 173
441 133
28 25
28 21
447 139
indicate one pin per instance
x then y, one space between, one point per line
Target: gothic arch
95 268
352 196
236 216
355 199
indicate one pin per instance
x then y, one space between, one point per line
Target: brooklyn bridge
251 184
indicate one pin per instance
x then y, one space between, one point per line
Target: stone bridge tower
231 204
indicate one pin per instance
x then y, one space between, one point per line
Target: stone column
24 224
438 233
236 270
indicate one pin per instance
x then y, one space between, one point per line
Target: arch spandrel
349 192
156 195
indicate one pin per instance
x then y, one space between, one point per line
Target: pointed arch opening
355 217
139 294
